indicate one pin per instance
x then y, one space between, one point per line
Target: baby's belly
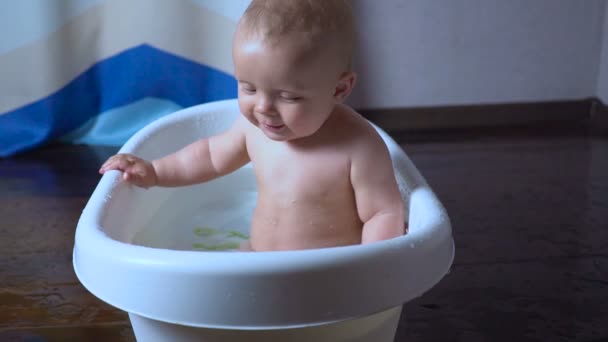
288 224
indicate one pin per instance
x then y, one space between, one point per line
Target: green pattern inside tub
212 239
212 216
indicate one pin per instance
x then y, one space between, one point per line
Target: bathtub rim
435 239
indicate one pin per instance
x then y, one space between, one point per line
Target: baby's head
322 25
293 63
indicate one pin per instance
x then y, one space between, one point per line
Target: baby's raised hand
134 170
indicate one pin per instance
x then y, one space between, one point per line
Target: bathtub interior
213 216
185 218
155 243
174 218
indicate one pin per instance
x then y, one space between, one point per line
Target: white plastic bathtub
136 249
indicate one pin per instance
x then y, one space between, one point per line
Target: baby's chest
302 174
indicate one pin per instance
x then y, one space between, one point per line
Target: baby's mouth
273 127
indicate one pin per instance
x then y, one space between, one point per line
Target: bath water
213 216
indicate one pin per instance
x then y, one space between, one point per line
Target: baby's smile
273 127
273 130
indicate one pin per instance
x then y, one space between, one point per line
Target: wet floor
530 220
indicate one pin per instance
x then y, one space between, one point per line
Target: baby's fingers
119 162
109 164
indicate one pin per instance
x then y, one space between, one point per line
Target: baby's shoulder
359 130
365 145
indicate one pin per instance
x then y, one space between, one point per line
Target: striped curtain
96 71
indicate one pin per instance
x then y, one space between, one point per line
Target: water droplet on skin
272 221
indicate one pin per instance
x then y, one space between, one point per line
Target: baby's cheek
250 118
245 103
245 110
242 105
300 117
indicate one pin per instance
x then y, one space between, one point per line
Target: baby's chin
284 134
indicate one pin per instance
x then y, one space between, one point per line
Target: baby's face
286 92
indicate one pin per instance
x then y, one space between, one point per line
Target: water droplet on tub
412 245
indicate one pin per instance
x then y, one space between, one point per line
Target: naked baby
324 175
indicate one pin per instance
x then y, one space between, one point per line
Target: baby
324 175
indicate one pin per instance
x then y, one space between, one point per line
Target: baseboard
577 115
599 118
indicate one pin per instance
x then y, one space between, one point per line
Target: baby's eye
248 89
290 97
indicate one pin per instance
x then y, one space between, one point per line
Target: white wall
445 52
602 81
232 9
430 52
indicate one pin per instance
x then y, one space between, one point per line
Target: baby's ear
345 86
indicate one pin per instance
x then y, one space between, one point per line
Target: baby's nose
264 106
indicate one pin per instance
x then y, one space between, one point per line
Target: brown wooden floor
530 220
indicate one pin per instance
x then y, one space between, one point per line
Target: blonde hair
323 22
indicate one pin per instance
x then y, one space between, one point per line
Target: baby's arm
203 160
377 196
